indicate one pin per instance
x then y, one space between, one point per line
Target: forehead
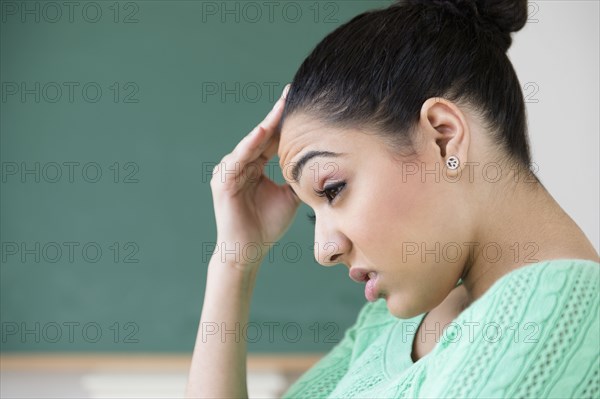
296 128
301 132
303 135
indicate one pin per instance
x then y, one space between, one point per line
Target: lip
370 277
371 292
359 275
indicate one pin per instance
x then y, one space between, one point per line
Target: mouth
370 277
361 275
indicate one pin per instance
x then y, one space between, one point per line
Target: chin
400 309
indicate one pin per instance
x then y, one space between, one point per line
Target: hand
252 212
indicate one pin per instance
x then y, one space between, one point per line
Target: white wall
560 55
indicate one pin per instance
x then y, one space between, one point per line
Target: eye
334 188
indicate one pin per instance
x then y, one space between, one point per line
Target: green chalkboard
112 117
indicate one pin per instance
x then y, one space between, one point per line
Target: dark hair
377 69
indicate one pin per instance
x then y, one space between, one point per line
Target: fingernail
285 90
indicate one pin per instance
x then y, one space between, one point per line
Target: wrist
244 258
233 269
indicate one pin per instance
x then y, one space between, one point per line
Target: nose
330 245
327 253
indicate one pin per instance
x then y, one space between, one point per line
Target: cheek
391 218
424 209
404 211
385 213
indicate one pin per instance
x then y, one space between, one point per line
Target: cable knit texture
534 334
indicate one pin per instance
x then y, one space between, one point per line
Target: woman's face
386 217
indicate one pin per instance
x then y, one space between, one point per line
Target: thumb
294 196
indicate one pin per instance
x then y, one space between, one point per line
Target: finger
271 121
272 118
264 125
253 144
270 148
271 125
272 115
247 149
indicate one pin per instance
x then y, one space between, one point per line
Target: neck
522 224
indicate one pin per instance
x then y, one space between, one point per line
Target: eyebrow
297 168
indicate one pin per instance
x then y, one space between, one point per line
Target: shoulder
543 278
539 290
534 333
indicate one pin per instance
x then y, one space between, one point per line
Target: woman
405 131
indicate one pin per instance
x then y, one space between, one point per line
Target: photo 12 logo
69 92
52 332
252 12
68 252
54 12
68 171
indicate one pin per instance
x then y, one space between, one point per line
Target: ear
446 130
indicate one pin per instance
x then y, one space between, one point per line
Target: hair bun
499 17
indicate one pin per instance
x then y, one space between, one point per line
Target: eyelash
323 193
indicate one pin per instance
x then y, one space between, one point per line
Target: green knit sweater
534 334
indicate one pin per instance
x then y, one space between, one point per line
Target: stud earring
452 162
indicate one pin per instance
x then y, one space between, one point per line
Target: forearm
218 367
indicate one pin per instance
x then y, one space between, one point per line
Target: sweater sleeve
539 339
321 379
